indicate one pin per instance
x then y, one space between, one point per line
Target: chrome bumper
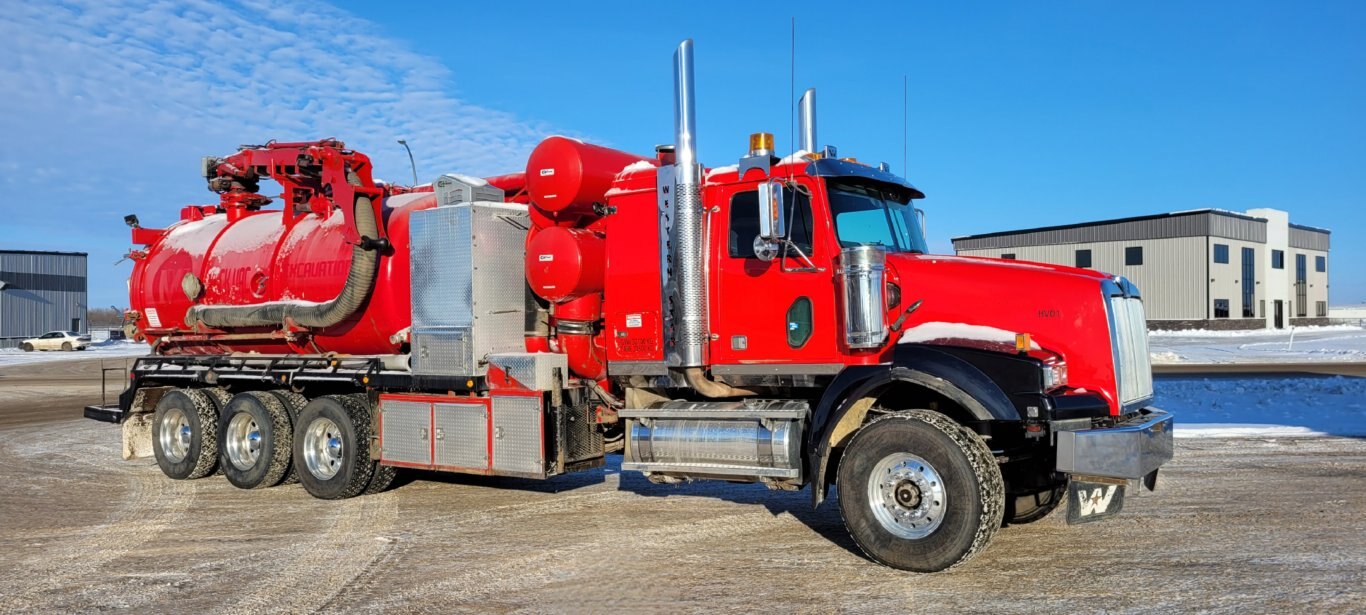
1131 450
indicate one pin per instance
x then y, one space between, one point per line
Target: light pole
404 143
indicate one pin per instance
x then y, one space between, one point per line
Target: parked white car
57 340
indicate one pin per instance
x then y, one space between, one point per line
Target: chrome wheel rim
323 448
907 495
243 441
175 435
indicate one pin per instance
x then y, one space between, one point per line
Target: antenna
905 97
792 99
404 143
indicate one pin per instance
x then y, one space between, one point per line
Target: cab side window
744 221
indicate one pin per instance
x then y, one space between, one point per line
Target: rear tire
332 446
383 477
26 347
184 434
920 492
255 440
66 346
294 403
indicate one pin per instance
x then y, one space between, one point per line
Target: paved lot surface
1236 526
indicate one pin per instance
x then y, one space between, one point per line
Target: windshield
869 213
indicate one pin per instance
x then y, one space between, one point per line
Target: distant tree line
105 317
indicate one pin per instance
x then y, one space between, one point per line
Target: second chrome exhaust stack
806 121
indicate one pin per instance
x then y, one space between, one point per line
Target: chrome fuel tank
743 440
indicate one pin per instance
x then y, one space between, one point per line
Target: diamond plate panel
535 370
462 435
444 352
441 268
499 278
405 431
517 435
468 285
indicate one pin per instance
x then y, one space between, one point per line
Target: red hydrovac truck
779 320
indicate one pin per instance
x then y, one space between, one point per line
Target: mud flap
1092 501
137 436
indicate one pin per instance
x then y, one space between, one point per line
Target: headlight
893 296
1054 375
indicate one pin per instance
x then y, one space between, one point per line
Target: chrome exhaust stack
806 120
689 296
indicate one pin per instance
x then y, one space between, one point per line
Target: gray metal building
1207 268
41 292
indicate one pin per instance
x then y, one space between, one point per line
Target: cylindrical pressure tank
565 263
567 175
261 257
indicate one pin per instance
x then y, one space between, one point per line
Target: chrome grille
1129 337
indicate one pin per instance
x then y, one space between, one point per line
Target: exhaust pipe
690 289
806 120
690 294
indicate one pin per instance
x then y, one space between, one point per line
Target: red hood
970 300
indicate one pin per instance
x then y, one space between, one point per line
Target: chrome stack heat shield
689 297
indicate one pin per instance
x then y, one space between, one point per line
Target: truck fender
914 364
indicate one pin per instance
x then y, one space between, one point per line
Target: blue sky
1021 114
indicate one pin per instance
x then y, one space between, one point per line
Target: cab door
780 311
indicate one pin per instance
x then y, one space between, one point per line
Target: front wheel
66 346
26 347
920 492
332 446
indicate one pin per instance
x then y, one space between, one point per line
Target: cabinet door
405 432
518 436
462 435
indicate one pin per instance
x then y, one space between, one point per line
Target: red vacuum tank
258 258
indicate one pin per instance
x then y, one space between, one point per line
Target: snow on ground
1331 343
99 350
1239 406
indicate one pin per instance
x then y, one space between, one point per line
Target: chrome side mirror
772 224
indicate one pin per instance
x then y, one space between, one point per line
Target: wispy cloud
109 103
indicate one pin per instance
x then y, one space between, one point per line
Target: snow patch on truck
930 332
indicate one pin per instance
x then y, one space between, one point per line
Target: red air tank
565 263
567 176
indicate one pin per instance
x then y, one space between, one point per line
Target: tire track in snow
151 504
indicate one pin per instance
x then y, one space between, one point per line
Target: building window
1321 309
1249 281
1261 309
1221 308
1221 253
1133 255
1084 258
1010 256
1321 264
1301 287
1277 259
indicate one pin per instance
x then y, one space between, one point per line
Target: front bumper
1130 450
